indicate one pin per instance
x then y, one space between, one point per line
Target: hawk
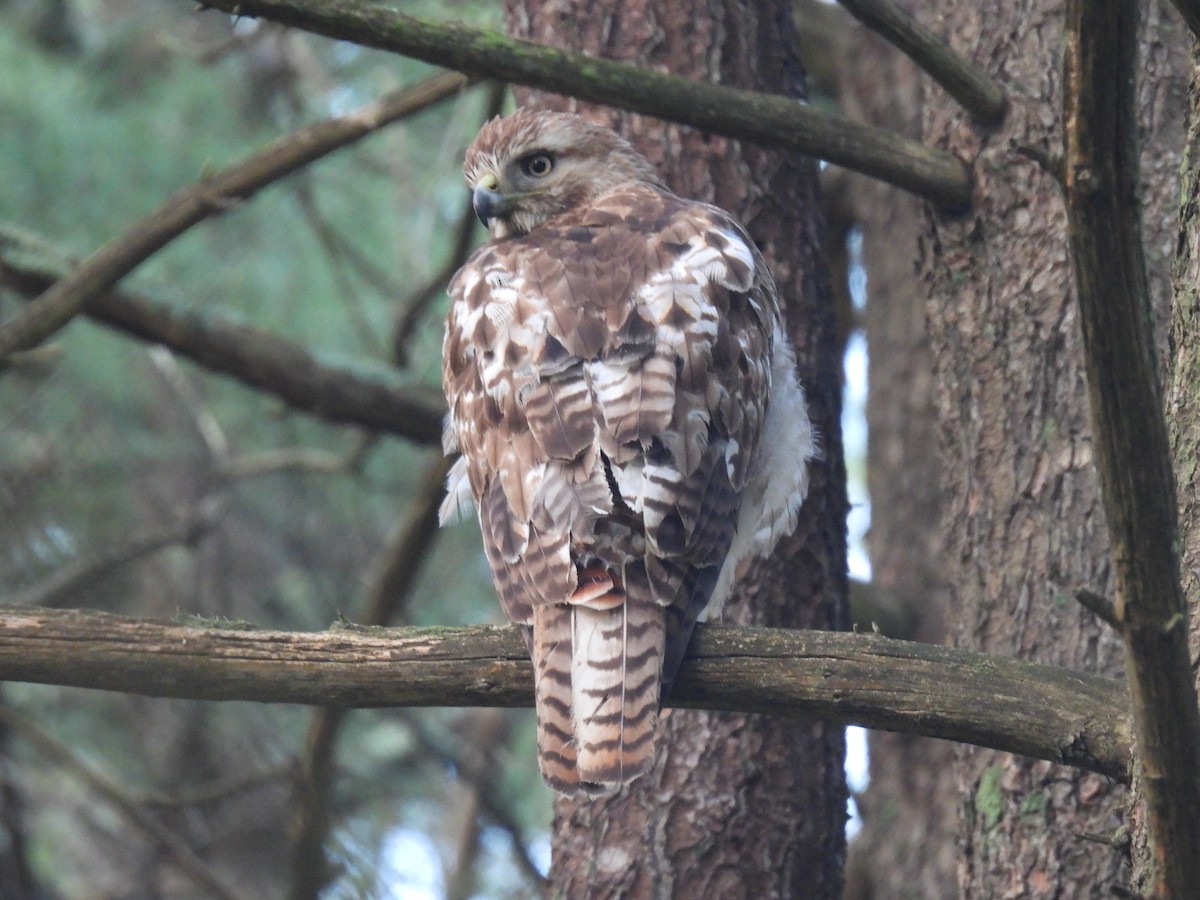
623 394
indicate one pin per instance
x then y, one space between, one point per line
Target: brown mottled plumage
623 395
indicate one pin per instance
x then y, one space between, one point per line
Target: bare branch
49 749
1099 606
66 581
211 196
979 94
1066 717
762 118
416 307
1132 451
471 763
297 459
376 399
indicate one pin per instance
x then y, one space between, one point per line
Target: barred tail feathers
551 652
597 681
616 674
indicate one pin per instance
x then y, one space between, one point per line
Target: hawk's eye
539 165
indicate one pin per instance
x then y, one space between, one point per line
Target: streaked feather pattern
613 359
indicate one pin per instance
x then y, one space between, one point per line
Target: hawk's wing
608 380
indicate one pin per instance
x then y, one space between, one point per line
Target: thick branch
762 118
1055 714
979 94
376 399
63 300
1132 450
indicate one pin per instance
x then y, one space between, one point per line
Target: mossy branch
977 91
1056 714
762 118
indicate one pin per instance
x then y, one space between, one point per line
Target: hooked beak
489 204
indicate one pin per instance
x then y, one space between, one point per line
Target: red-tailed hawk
623 394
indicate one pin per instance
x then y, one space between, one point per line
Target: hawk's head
534 165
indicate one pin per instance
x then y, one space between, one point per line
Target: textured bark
1183 394
1183 367
906 845
1024 525
772 791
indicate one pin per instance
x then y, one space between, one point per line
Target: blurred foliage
106 108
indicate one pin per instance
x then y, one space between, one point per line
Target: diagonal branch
761 118
1063 716
336 391
1132 451
415 308
181 854
213 195
977 91
64 582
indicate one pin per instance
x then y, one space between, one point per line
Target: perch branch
63 300
762 118
1132 450
376 399
1050 713
978 93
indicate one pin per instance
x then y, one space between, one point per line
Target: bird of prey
623 394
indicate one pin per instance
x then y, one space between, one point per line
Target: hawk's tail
597 701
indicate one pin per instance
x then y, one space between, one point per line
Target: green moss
1034 805
989 797
216 623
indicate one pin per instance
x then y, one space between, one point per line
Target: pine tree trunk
738 806
1024 523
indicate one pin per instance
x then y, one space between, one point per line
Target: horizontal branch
1055 714
977 91
210 196
376 399
762 118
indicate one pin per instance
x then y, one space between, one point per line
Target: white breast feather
459 502
778 481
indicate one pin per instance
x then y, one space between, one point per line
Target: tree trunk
1024 523
738 805
906 846
1183 367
